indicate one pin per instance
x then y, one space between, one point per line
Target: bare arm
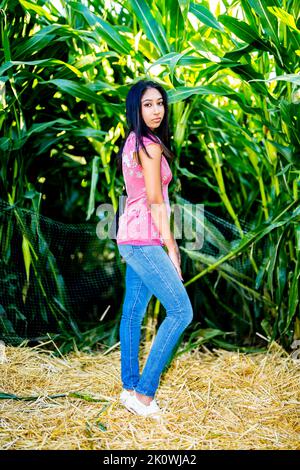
152 176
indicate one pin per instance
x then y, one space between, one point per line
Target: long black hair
136 123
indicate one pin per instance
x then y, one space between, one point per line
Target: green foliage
232 77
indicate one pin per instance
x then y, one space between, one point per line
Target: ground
211 400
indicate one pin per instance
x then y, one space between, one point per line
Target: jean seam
164 280
130 326
179 308
175 327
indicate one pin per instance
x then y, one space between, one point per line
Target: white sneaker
134 405
124 395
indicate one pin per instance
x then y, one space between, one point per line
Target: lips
156 120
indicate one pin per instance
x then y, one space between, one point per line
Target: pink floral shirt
136 226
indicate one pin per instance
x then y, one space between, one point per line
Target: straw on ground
212 400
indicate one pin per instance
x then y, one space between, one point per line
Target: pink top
136 226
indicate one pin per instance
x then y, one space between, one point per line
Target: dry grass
219 400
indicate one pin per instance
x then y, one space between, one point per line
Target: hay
213 400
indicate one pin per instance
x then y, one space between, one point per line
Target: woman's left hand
174 255
177 252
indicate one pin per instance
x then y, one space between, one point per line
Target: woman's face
152 108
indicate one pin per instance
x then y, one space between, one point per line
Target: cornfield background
231 71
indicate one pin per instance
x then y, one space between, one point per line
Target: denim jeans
149 270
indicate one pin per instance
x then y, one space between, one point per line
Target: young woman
148 247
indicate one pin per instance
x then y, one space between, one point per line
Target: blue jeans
149 270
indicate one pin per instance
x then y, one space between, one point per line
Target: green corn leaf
233 347
44 62
201 336
242 30
42 12
85 396
293 301
36 43
284 17
182 93
292 77
77 90
173 21
152 28
102 29
205 16
11 396
267 19
26 255
94 181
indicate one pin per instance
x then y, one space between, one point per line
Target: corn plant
231 70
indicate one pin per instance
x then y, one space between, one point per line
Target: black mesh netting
53 275
56 276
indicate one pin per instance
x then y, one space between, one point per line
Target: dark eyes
149 104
